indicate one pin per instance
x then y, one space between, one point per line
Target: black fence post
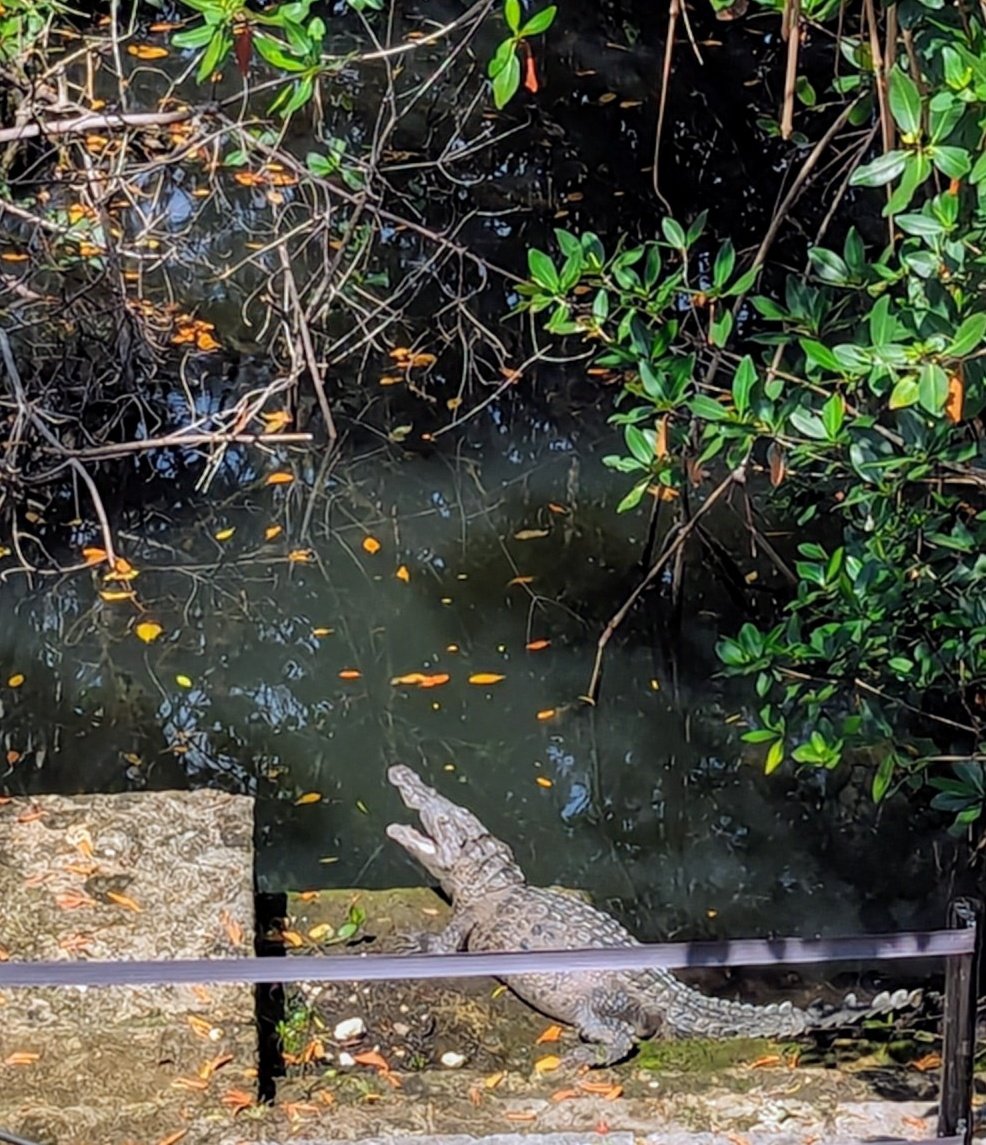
959 1038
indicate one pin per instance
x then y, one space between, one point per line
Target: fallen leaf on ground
21 1057
520 1115
374 1059
236 1099
189 1083
292 938
125 901
564 1094
547 1064
550 1034
929 1061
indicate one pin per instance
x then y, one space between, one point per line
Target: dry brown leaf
547 1064
125 901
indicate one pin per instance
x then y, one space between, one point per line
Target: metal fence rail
960 945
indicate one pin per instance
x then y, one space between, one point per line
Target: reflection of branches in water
147 225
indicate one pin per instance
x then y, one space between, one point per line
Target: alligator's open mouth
411 840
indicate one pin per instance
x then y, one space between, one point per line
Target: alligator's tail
687 1013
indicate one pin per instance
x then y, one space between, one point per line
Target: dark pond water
496 536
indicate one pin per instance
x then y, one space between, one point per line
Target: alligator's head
454 847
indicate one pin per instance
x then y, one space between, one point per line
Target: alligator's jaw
411 840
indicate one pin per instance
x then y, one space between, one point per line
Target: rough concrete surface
129 876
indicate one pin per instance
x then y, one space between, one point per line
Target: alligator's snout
412 790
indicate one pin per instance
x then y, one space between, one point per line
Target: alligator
494 908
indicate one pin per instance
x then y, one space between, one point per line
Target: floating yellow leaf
301 556
183 681
451 648
350 674
16 680
122 570
371 545
543 781
225 534
279 478
113 594
14 256
399 353
276 420
147 51
520 580
547 713
273 531
422 360
453 404
148 631
391 380
320 632
530 534
403 574
308 797
547 1064
485 678
537 645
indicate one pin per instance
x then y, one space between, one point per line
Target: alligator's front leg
447 941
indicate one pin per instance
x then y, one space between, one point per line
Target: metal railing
960 945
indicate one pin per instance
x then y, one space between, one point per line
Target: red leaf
244 49
530 71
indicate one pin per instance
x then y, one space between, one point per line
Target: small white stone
451 1060
348 1029
401 1029
346 1059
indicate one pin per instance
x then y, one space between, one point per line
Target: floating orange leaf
308 797
391 380
125 901
225 534
93 555
543 781
301 556
279 478
399 353
422 360
14 256
485 678
371 545
320 632
550 1034
421 680
547 714
183 681
520 580
148 631
146 51
16 680
537 645
350 674
273 531
403 574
